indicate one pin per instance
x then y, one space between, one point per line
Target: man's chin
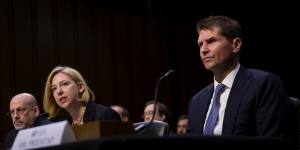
19 127
209 68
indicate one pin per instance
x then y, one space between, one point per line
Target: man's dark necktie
214 112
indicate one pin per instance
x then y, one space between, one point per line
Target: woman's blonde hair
49 103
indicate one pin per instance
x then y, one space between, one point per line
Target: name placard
44 136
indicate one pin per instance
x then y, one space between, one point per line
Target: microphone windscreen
170 72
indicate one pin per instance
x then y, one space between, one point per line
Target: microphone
171 71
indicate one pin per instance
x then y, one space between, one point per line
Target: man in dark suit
251 103
25 113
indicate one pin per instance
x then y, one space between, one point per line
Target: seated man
25 113
160 114
156 127
182 125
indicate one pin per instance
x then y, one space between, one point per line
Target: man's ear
163 117
36 110
237 43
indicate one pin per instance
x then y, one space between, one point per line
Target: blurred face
148 114
216 51
182 126
119 110
22 112
65 91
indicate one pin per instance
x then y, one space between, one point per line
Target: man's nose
203 48
16 115
147 117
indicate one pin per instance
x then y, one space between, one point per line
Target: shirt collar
228 80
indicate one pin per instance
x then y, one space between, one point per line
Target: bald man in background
122 111
25 113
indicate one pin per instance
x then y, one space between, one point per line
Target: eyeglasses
181 126
19 110
149 113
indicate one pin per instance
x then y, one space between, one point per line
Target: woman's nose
60 91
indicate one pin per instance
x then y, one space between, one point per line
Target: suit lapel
200 106
204 103
239 86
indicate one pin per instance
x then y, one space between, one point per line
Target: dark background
123 47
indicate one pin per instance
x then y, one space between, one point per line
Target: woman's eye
53 88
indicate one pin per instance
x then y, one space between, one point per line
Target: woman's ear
81 87
237 43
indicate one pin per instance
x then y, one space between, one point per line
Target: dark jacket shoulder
93 112
10 138
99 112
42 119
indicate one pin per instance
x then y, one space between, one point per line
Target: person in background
240 101
182 124
25 113
67 96
161 111
122 111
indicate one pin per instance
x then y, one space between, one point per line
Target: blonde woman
67 96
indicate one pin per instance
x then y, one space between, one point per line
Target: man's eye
200 44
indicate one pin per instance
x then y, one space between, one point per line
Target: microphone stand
155 99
